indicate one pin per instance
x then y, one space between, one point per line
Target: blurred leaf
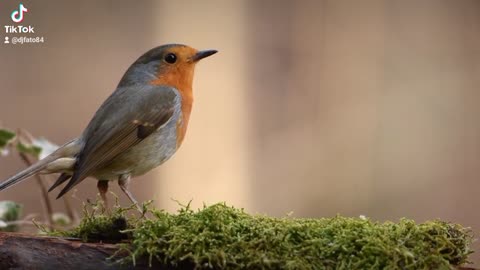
46 147
9 211
5 136
29 149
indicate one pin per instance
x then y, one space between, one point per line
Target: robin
140 126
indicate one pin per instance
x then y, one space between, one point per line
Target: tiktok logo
17 15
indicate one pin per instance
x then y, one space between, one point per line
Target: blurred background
316 107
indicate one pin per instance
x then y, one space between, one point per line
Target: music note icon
17 15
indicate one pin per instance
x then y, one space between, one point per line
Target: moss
222 237
100 225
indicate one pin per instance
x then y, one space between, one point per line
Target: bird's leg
102 186
123 182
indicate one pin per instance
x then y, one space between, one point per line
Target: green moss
222 237
99 225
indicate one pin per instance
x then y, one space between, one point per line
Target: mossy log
22 251
223 237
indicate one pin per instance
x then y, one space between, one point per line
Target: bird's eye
170 58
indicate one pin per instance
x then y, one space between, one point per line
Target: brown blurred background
316 107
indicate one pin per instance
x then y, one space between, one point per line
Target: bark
22 251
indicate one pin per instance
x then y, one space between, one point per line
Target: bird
137 128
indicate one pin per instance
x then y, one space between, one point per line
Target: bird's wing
127 117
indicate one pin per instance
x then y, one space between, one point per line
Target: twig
46 200
25 221
48 211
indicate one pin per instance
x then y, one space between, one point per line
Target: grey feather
60 180
130 115
69 149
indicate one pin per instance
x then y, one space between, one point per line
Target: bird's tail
63 159
35 168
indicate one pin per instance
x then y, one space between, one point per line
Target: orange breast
181 79
182 123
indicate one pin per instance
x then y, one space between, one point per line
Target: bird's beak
202 54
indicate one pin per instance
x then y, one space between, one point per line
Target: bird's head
171 64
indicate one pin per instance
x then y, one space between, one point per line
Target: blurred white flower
4 152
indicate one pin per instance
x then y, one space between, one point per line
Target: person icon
6 40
